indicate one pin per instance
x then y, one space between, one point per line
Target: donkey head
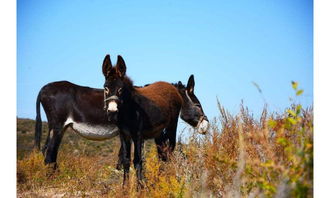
192 111
115 86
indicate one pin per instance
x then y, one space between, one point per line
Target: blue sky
227 45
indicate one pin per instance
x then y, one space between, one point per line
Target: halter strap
114 97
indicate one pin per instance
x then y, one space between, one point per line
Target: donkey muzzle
203 126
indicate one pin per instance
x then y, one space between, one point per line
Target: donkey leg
44 148
171 134
119 165
162 146
55 137
138 159
172 141
126 155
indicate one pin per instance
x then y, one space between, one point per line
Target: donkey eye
106 90
120 91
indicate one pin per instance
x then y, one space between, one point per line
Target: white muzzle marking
113 107
203 126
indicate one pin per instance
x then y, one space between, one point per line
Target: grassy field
241 156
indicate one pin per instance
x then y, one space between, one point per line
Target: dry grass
239 157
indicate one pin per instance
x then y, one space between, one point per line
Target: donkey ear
191 84
121 66
106 67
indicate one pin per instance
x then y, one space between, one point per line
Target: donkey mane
179 85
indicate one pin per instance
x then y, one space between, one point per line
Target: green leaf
299 92
291 112
292 121
298 109
272 123
294 85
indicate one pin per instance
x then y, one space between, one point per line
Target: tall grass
240 156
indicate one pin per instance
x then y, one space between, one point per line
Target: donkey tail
38 126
